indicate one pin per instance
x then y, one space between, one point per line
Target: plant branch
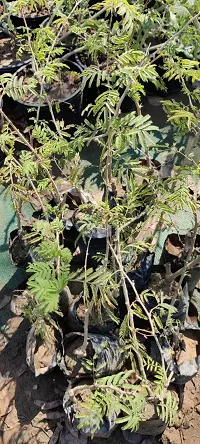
119 104
95 16
15 204
138 107
33 59
138 299
73 52
196 24
177 273
23 138
82 351
39 198
127 302
175 35
58 258
33 187
75 390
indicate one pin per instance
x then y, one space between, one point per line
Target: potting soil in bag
104 355
93 428
98 323
19 248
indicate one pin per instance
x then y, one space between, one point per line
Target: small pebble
35 387
186 425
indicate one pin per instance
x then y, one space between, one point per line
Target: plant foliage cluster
126 48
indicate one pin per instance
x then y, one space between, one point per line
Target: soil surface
21 420
30 12
60 90
8 52
96 318
82 398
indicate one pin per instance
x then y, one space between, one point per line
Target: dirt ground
21 395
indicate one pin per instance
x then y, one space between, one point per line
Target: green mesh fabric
10 276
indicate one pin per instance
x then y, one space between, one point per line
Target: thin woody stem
75 390
162 46
119 104
127 302
95 16
82 350
33 187
142 305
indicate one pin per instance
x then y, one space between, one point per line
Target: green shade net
10 275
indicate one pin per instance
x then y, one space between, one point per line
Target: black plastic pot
75 324
70 108
94 242
104 350
32 22
141 275
183 372
177 242
13 67
96 429
70 235
90 93
19 249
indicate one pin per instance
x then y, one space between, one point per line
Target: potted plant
9 45
32 14
45 81
148 31
149 333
